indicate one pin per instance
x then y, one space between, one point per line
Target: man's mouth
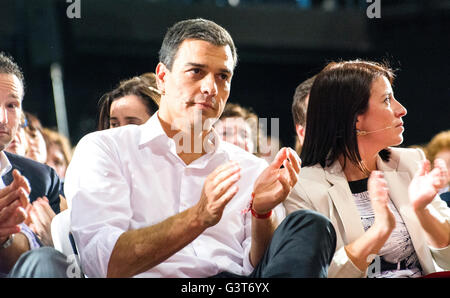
203 104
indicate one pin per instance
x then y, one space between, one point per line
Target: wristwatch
8 242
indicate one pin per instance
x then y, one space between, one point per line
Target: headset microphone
363 132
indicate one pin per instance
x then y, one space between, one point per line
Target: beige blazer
327 191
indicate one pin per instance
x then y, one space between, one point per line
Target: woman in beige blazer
392 224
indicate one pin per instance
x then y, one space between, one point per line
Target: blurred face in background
128 110
37 149
56 160
237 131
19 144
445 155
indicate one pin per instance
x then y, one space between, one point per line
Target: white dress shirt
131 177
5 167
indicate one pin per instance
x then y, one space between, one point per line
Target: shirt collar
152 130
5 165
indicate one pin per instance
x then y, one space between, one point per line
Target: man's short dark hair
193 29
8 66
299 105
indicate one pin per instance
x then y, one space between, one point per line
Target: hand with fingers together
426 184
13 201
362 250
275 183
41 215
379 199
219 188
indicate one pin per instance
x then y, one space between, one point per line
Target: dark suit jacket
43 179
446 197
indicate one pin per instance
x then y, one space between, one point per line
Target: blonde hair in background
438 143
54 138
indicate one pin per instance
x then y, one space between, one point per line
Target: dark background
279 45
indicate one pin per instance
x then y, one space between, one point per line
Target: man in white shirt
168 199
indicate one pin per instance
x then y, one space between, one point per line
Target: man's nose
3 115
209 85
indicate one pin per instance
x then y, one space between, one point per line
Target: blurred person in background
238 126
37 149
59 151
299 108
133 101
439 148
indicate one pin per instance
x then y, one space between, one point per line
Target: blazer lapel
398 182
343 200
8 178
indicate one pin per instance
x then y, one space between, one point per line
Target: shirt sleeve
98 194
32 239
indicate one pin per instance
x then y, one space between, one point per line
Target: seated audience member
19 144
134 101
23 180
59 151
381 200
299 108
40 212
158 207
239 126
37 149
439 147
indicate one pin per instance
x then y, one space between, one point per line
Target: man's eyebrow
196 64
199 65
14 96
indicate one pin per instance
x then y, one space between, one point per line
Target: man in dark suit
23 180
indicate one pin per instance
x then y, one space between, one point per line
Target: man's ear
161 71
300 132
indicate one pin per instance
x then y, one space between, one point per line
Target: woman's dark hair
143 86
340 93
